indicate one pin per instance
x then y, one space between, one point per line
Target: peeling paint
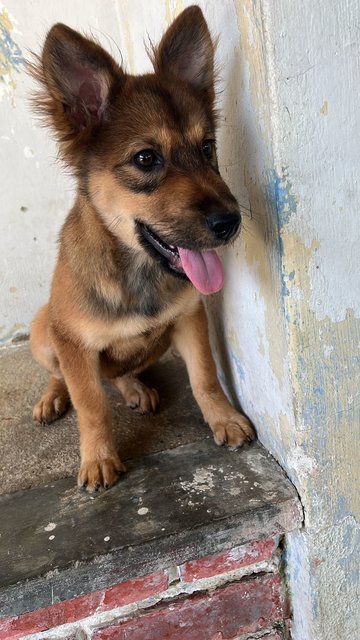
28 152
324 109
18 330
239 369
11 58
300 273
321 388
286 201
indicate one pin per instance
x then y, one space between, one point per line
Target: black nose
224 225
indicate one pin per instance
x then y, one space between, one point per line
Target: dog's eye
148 159
207 147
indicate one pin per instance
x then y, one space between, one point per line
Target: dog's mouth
203 268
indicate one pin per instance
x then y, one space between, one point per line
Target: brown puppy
138 245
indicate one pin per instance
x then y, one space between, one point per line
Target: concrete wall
286 328
290 312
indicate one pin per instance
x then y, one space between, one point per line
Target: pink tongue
203 268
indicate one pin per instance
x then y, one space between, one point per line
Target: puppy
138 247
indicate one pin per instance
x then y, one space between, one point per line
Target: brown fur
114 307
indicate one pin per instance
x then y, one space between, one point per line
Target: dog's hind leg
136 394
53 403
56 399
190 337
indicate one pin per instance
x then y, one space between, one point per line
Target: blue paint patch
285 200
319 391
11 57
348 536
280 196
349 561
342 510
283 282
284 290
238 366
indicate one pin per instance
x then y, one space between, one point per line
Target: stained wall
291 309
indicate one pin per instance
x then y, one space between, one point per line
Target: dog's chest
136 354
133 330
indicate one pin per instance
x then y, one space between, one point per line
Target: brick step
225 595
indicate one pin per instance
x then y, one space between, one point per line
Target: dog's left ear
186 51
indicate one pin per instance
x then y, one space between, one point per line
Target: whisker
257 217
245 211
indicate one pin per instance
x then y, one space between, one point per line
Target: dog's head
143 147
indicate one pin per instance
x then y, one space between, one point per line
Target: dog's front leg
190 337
100 465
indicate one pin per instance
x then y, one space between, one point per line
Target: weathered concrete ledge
172 506
33 455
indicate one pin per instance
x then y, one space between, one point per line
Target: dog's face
143 147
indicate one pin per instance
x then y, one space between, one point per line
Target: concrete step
182 499
33 454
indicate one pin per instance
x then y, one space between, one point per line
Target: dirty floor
32 454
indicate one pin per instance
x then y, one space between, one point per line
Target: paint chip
28 152
107 538
51 537
50 527
203 481
324 110
10 55
143 511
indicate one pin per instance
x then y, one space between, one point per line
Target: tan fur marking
98 334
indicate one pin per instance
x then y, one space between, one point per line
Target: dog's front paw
101 471
233 430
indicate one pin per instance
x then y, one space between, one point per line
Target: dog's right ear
77 76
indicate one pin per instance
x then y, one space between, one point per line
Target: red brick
226 561
244 607
83 606
134 590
